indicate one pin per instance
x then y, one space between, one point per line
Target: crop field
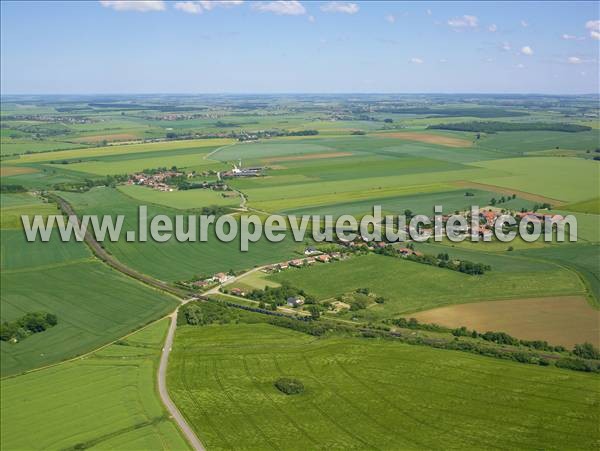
106 400
94 304
127 149
521 143
174 260
568 179
120 166
441 139
184 200
565 320
591 206
362 393
90 380
408 286
422 203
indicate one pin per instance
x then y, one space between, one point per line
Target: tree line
497 126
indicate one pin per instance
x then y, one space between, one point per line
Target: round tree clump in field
289 386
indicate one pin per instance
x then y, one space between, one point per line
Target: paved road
183 296
190 435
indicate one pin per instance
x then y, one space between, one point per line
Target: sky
93 47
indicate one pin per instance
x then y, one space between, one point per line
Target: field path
185 428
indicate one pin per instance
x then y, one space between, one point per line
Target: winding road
185 428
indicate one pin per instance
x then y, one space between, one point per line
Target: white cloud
574 60
520 66
493 28
282 8
340 7
140 6
524 24
199 6
593 25
311 19
443 60
526 50
572 37
390 18
189 7
428 12
464 22
506 46
416 61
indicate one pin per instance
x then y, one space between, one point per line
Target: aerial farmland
173 274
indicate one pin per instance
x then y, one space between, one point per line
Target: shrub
289 386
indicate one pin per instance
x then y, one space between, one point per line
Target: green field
107 400
183 200
94 303
409 286
567 179
362 393
173 260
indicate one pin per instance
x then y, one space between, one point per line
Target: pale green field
566 179
101 167
122 149
107 400
184 200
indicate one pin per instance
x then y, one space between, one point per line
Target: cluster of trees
30 323
502 338
414 324
454 112
495 126
494 201
443 260
87 184
205 313
289 386
12 189
271 297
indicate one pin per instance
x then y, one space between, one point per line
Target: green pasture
409 286
370 394
107 400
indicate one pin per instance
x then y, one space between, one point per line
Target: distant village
163 179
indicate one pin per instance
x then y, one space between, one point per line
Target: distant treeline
454 112
494 126
30 323
12 189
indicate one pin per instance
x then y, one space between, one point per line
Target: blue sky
259 47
